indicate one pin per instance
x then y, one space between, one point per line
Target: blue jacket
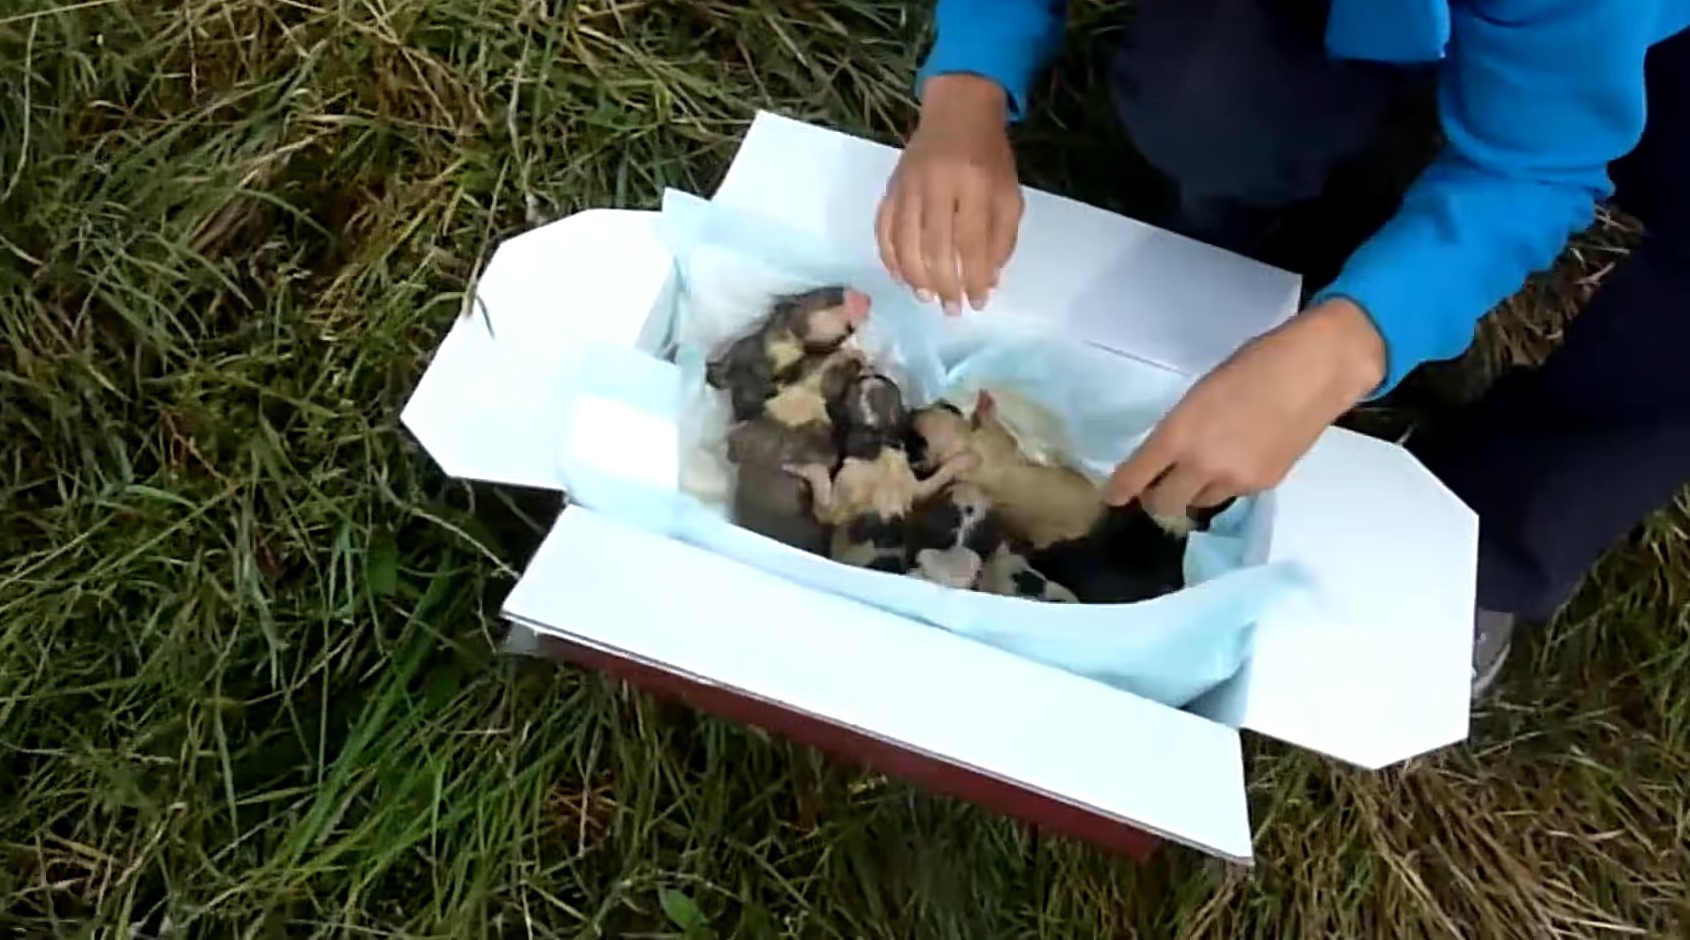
1536 97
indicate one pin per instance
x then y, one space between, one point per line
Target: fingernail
924 295
978 302
951 308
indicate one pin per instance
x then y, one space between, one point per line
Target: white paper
693 612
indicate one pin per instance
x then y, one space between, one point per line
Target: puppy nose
856 306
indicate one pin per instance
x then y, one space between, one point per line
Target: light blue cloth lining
1172 649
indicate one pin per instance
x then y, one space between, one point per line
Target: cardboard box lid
1382 671
487 407
1376 677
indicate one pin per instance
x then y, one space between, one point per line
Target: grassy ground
246 686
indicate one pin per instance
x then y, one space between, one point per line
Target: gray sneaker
1493 633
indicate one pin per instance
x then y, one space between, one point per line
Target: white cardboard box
1378 676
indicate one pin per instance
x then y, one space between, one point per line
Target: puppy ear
984 406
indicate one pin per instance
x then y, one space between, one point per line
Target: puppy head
941 432
990 435
824 317
874 402
838 372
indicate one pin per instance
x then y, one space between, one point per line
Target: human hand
947 222
1240 428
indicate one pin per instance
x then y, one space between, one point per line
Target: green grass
247 685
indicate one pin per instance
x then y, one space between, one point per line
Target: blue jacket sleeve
1536 98
1007 41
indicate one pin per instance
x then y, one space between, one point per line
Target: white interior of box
1377 675
723 623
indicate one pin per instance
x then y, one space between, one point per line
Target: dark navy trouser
1237 102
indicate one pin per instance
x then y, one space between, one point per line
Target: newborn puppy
752 368
1043 504
960 541
1127 557
1104 554
868 501
795 429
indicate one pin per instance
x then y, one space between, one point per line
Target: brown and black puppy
795 429
754 367
868 500
960 540
1104 554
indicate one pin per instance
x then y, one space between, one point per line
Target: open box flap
619 588
1381 672
1101 277
488 406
